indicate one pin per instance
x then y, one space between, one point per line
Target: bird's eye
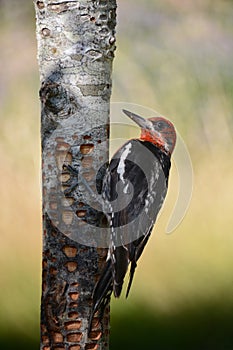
161 125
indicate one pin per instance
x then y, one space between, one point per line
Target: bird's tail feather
117 288
131 275
102 293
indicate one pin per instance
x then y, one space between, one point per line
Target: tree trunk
76 43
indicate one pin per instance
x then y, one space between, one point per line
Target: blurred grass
174 57
203 326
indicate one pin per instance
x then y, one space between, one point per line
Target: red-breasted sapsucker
134 188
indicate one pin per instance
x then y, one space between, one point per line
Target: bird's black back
139 192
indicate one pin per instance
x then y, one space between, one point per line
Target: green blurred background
175 57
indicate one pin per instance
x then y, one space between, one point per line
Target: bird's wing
134 187
133 190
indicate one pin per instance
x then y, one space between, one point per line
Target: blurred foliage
175 57
204 326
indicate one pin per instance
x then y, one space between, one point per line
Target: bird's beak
143 123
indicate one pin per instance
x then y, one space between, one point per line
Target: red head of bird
156 130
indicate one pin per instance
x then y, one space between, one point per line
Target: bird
134 188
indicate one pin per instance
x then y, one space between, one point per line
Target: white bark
76 43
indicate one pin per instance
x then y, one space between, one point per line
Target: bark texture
76 43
